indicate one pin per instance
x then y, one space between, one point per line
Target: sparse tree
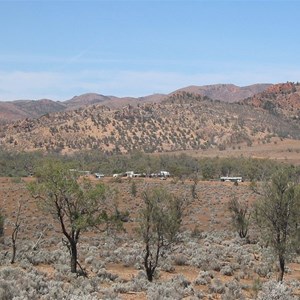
160 220
240 216
277 214
14 236
74 202
133 189
195 179
1 224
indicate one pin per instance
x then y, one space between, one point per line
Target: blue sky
58 49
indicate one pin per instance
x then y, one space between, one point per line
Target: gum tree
277 214
240 216
73 202
160 220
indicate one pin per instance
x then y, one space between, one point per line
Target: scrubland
209 260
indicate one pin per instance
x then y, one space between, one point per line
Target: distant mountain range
21 109
182 120
226 92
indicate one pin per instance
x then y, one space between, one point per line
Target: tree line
21 164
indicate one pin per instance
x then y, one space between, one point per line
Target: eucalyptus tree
74 202
278 213
240 216
159 223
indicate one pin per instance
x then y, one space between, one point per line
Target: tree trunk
73 249
281 265
148 264
14 250
149 272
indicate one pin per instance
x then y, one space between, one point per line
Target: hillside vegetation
22 109
226 92
183 121
280 100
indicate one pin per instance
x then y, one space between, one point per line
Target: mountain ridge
226 92
21 109
180 121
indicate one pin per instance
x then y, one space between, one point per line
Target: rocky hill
181 121
21 109
281 100
226 92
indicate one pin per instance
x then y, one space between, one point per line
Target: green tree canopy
278 213
160 220
74 202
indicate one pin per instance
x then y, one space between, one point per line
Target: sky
59 49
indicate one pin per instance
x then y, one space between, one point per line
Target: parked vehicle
99 175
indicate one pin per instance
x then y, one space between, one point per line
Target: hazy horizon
59 49
125 96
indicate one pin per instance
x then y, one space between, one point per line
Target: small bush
215 265
106 276
6 290
217 287
273 290
167 266
180 260
176 289
226 270
232 291
203 278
